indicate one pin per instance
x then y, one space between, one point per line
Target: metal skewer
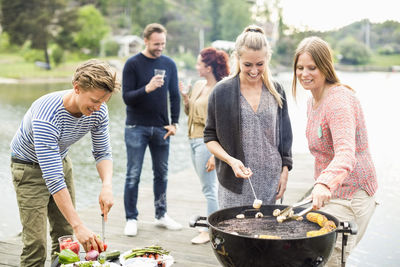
251 185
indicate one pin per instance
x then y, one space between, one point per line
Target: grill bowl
237 250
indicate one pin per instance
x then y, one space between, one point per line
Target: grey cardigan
223 125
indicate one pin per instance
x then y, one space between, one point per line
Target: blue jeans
208 180
137 138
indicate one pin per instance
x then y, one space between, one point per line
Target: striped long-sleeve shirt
337 138
48 130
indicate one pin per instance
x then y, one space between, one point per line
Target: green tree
184 26
385 37
35 20
102 5
93 29
235 16
144 12
214 12
284 50
65 34
354 52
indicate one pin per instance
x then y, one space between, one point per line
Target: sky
324 15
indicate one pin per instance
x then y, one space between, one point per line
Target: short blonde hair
95 73
254 38
152 28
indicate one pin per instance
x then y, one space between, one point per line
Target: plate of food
91 264
151 256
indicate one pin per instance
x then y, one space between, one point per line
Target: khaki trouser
36 204
358 210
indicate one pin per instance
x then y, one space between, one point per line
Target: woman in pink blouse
345 178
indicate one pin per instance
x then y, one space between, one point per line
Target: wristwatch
176 125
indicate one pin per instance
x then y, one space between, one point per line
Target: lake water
378 92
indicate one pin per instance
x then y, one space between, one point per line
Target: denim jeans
137 138
208 180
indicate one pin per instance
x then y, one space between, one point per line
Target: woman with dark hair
248 127
212 65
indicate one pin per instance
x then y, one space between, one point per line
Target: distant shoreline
346 68
35 80
276 69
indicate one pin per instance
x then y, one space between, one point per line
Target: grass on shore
14 66
385 60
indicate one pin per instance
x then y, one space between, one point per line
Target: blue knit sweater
150 109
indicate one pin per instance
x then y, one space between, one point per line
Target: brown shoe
202 238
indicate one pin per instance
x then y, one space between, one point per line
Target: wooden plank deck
185 199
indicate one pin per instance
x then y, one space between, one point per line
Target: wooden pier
185 199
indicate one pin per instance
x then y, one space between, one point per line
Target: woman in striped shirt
42 171
345 177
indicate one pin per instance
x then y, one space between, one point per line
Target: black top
223 125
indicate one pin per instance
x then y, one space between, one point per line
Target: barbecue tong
288 213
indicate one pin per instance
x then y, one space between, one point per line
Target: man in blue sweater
147 124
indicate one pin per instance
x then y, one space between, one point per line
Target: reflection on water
378 93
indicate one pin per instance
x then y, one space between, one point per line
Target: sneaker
168 222
130 228
202 238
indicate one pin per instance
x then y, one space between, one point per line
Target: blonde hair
253 37
321 53
152 28
96 74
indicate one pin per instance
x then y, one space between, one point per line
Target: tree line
76 28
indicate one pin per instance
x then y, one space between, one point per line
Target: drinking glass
68 241
187 86
159 72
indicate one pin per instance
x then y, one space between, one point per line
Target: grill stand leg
347 229
344 244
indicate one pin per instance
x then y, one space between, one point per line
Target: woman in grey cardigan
248 125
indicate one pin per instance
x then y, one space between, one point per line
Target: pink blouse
337 138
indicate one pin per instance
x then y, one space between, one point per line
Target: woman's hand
182 88
210 165
239 169
184 93
282 182
321 195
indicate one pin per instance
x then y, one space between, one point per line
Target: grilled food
321 231
317 218
257 203
276 212
326 225
259 215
